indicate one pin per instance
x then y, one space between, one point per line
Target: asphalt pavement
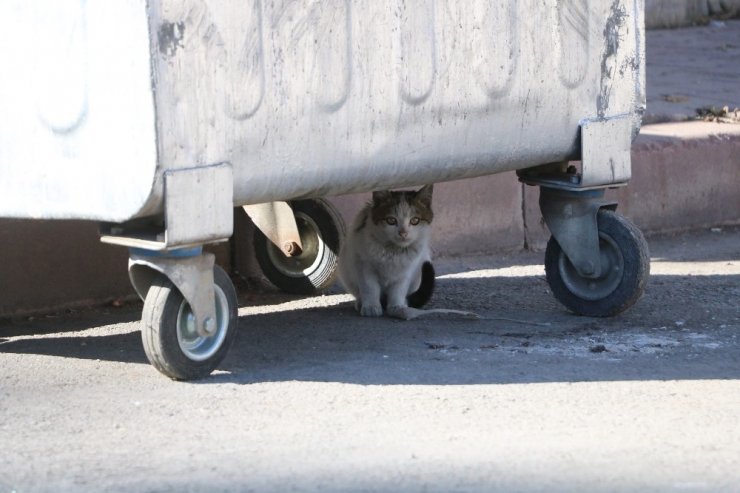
313 397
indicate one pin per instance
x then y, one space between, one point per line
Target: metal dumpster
157 117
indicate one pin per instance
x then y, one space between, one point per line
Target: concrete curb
685 176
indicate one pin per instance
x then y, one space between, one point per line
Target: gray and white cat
386 261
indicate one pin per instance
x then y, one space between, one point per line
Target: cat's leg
415 283
369 296
397 305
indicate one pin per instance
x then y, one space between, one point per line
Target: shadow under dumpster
684 327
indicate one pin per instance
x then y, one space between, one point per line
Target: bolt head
291 249
209 325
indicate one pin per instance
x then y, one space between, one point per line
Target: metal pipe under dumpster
157 117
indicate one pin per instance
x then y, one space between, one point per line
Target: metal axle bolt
291 249
209 325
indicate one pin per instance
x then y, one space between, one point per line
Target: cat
386 260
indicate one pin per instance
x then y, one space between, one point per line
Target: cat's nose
403 233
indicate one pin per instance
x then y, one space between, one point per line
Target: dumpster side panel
77 133
322 97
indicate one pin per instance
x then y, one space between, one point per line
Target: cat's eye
414 221
391 220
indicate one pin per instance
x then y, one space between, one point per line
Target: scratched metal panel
302 97
331 96
76 109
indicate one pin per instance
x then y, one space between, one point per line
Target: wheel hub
308 260
612 267
192 344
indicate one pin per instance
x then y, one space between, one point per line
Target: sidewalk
692 68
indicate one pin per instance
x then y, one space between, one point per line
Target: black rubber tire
322 229
159 330
619 287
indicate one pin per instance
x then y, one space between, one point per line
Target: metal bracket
605 159
277 222
605 151
190 270
198 209
199 204
571 218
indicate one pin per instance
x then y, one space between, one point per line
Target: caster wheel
625 268
321 229
171 341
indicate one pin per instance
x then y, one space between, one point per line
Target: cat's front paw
371 311
399 311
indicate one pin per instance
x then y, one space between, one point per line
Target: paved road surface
315 398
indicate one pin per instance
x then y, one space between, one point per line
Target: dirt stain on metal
611 40
169 36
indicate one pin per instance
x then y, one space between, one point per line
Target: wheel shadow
121 347
70 319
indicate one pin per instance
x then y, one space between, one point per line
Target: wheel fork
190 270
570 216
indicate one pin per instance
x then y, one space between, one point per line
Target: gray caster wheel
625 268
171 342
321 229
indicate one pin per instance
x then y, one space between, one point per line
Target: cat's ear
380 196
424 195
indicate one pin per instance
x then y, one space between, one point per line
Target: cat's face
402 217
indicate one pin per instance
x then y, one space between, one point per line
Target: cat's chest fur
391 262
